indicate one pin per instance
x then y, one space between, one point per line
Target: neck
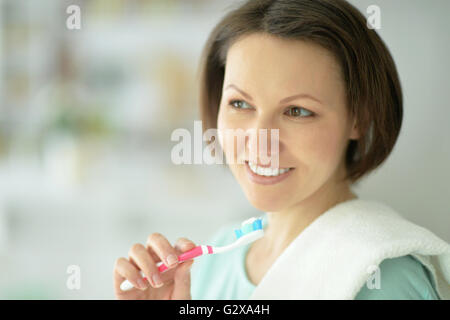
284 226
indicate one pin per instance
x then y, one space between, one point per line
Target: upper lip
267 165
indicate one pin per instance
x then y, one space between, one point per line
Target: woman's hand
173 284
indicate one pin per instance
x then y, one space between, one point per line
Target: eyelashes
311 114
297 114
232 102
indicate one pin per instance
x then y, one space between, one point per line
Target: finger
184 244
163 249
181 245
182 276
117 277
124 270
182 281
141 258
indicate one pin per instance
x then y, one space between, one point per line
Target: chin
266 204
263 198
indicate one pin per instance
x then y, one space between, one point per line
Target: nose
263 145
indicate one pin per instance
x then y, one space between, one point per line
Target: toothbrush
251 230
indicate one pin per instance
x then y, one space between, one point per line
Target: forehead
265 61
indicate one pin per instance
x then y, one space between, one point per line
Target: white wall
415 179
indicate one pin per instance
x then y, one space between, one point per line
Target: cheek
318 145
228 129
222 126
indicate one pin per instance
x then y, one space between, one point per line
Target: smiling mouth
267 172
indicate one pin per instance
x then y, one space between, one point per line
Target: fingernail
157 280
172 259
141 283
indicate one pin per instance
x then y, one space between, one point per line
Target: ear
354 133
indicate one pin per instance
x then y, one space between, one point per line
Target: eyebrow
285 100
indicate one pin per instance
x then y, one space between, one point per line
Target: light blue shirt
223 276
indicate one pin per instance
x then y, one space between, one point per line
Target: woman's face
314 129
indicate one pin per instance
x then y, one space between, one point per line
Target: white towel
333 257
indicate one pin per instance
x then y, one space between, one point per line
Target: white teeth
267 172
260 171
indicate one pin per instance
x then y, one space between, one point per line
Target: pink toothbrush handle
188 255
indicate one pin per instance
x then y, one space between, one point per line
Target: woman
313 70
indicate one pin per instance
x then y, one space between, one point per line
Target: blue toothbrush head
248 226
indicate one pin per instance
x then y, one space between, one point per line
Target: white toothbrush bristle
248 221
249 232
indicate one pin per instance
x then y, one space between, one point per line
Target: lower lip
266 180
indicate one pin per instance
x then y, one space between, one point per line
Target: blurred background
86 118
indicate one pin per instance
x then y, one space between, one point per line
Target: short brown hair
373 89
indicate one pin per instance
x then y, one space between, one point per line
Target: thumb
182 281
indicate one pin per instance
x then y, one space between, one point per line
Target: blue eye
232 103
295 112
298 114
